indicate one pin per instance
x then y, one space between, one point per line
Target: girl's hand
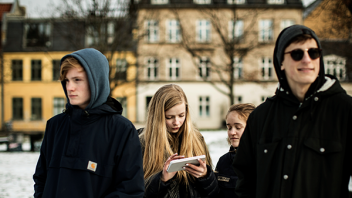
166 176
197 171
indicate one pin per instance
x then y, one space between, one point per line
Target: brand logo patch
92 166
225 179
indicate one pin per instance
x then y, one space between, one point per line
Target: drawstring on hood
283 40
96 66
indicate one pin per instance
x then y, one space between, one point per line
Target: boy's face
302 73
77 87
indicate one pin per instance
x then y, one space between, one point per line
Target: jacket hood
97 68
283 40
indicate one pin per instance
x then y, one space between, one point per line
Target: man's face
301 74
77 87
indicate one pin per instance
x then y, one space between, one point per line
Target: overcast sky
42 8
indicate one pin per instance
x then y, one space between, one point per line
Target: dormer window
160 1
276 1
202 1
37 34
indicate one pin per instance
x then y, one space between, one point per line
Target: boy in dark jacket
90 150
298 143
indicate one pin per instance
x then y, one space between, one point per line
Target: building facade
32 50
211 48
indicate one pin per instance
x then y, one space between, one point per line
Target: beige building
211 48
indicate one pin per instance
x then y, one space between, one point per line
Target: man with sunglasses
298 143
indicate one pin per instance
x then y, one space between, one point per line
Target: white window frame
335 65
235 29
203 31
202 1
265 30
204 106
204 67
173 68
236 1
58 105
266 68
286 22
93 37
152 31
152 68
276 1
238 68
159 1
173 31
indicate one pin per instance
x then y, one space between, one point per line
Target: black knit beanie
284 40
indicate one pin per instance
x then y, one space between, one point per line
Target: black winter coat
77 137
226 175
204 187
293 150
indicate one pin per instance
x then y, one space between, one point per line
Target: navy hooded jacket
93 152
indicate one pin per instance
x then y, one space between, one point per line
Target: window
287 22
59 105
235 29
265 30
123 102
100 33
36 109
236 1
56 70
121 69
202 1
203 31
17 108
267 68
17 70
173 34
238 99
204 106
174 68
37 34
159 1
204 67
147 100
36 70
275 1
152 28
152 68
336 66
237 65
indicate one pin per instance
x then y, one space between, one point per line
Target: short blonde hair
68 64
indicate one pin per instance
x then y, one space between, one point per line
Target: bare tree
105 25
234 44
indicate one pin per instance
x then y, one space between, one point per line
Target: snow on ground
17 168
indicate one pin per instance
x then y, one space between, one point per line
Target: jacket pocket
323 147
101 169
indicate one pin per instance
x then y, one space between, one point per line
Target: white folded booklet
176 165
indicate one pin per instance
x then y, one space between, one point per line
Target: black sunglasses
297 54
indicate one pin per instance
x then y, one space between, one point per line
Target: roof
311 7
4 7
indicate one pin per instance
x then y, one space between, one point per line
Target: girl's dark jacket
200 188
93 152
226 175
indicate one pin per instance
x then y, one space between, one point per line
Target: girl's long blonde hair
160 144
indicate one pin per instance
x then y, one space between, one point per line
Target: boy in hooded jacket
90 150
298 142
